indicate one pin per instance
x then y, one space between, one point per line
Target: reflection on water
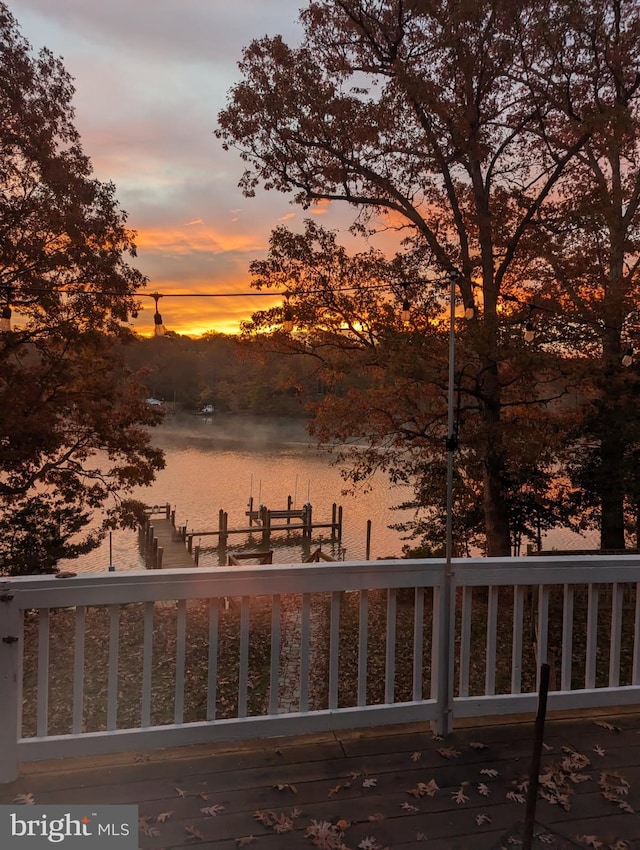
218 463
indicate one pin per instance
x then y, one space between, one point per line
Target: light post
445 671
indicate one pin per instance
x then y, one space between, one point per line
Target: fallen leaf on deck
416 756
409 808
324 835
340 787
369 783
181 793
369 843
608 726
341 824
481 820
459 796
25 799
424 789
590 841
484 790
146 829
212 810
246 839
163 816
285 786
449 752
376 816
193 832
611 780
203 795
140 757
420 836
515 797
476 745
598 750
489 771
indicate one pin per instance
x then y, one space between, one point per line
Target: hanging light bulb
158 328
287 318
627 360
529 332
405 315
5 319
469 310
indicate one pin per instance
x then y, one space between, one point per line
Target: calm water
218 463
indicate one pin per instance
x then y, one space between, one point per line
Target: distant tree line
234 375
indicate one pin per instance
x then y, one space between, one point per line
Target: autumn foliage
500 141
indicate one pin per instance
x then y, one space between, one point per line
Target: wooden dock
166 545
162 543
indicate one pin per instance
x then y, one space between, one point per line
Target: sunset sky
151 77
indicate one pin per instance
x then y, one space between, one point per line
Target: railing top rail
202 583
199 583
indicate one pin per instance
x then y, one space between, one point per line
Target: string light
287 318
159 329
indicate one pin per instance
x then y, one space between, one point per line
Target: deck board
328 772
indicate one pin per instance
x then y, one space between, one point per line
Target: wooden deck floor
370 786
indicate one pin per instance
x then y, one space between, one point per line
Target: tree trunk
612 489
496 513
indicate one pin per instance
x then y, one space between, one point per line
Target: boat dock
166 545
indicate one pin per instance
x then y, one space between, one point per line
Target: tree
446 120
592 251
73 422
386 383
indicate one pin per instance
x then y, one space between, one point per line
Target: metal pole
445 671
534 773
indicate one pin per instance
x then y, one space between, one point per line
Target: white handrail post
10 672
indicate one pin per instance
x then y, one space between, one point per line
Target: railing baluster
43 672
492 630
435 644
274 678
465 640
418 642
334 649
516 639
363 641
78 669
181 629
212 672
305 651
20 674
390 653
112 686
147 662
592 636
567 638
243 675
635 673
542 637
616 635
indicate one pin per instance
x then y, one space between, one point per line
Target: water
215 463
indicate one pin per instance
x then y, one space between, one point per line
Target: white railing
131 661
